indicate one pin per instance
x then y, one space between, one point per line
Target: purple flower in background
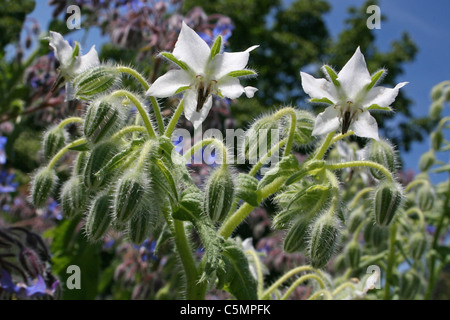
7 185
224 29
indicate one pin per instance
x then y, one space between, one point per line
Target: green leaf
118 160
217 45
241 73
237 278
286 167
172 58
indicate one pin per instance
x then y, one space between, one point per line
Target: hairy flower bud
417 245
409 285
128 195
436 138
426 160
382 152
375 235
54 140
325 234
219 194
296 239
352 254
387 200
95 81
98 158
43 183
304 127
99 217
73 197
141 224
246 189
103 117
425 197
355 218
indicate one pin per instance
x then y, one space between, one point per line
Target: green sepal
181 89
119 159
285 168
172 58
76 50
375 79
236 277
377 107
241 73
81 147
322 100
332 74
312 168
189 208
216 47
247 187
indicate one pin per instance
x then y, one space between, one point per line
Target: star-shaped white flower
351 94
204 72
71 61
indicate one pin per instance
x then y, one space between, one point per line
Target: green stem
258 271
284 278
126 130
173 122
299 281
187 260
371 164
157 111
342 136
415 183
290 140
219 144
359 195
261 161
139 107
391 260
342 287
135 74
69 120
320 153
64 150
421 216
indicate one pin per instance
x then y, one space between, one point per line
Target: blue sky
427 22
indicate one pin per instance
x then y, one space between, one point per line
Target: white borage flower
72 63
351 94
204 72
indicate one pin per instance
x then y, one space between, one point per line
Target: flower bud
247 189
387 200
73 197
325 236
31 262
53 141
436 109
102 119
356 217
436 92
219 194
141 224
128 195
95 81
98 158
42 186
296 239
375 235
426 160
425 197
409 285
436 138
382 152
99 217
352 254
303 128
417 245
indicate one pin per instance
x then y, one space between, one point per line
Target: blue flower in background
3 141
7 184
223 29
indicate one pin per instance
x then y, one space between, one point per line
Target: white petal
250 91
169 83
70 92
318 88
354 76
326 122
230 87
62 48
192 49
190 108
381 96
222 64
85 62
365 126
